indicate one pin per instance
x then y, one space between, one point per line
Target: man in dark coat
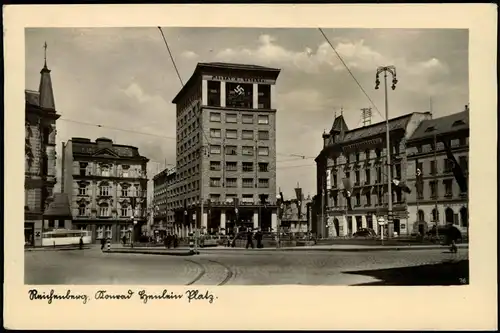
453 235
249 239
81 242
258 237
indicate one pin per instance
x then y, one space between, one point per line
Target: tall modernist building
226 148
40 156
163 215
441 200
107 186
360 156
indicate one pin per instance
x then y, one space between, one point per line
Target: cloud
189 55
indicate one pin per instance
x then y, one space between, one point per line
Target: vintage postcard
228 167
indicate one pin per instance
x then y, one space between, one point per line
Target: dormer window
458 123
430 129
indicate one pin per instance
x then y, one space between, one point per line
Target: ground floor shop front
113 230
225 220
426 215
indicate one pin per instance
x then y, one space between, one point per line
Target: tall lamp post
391 70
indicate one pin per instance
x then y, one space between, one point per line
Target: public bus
64 237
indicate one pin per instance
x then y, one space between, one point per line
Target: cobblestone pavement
252 267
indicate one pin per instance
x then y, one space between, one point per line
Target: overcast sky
124 78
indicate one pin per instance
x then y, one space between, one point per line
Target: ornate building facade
107 186
226 149
40 156
360 156
441 200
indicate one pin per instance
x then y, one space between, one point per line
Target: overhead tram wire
352 75
171 57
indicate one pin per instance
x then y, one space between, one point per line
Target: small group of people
250 236
171 240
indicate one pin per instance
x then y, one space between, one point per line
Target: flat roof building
226 149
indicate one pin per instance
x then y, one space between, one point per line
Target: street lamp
392 71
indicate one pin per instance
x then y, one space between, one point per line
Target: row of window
233 150
189 117
105 231
238 95
232 118
233 166
357 199
367 172
106 190
105 171
233 182
233 134
447 166
104 210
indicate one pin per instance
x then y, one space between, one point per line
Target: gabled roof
398 123
438 126
59 207
339 125
105 152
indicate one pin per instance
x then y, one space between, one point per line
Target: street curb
180 254
406 248
56 249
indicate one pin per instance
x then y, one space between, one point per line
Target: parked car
442 232
365 233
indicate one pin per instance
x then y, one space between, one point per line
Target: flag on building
400 186
298 194
457 170
347 192
419 180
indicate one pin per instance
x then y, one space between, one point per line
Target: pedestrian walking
81 242
103 242
249 239
258 237
176 241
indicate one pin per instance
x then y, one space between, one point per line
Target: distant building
163 188
105 182
440 188
226 149
360 156
291 221
58 214
39 156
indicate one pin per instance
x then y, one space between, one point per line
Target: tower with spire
40 155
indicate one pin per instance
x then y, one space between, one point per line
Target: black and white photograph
205 156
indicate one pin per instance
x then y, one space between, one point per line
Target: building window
380 196
230 197
215 149
109 233
231 182
397 171
368 177
368 199
214 165
367 154
263 135
433 167
247 119
357 156
126 210
264 99
231 134
213 93
264 183
83 168
247 135
215 197
125 191
105 171
231 118
82 210
356 177
82 189
347 175
239 95
448 188
231 150
462 142
334 181
247 198
104 190
263 167
263 119
247 182
378 153
247 166
232 166
215 133
435 215
214 182
335 200
104 210
464 222
263 151
434 191
247 150
100 232
215 117
123 231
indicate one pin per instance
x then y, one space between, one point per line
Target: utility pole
392 71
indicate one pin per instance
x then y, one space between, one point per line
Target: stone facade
40 156
107 186
163 188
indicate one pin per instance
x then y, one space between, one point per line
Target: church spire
45 88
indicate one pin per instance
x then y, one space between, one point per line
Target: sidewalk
184 251
51 248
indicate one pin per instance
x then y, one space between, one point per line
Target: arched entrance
448 213
464 219
435 215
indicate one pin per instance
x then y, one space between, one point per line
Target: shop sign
238 79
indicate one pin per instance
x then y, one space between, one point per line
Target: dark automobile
444 234
365 232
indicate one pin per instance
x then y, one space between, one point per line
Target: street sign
37 234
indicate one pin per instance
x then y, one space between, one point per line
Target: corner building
163 216
442 201
226 149
107 185
360 155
